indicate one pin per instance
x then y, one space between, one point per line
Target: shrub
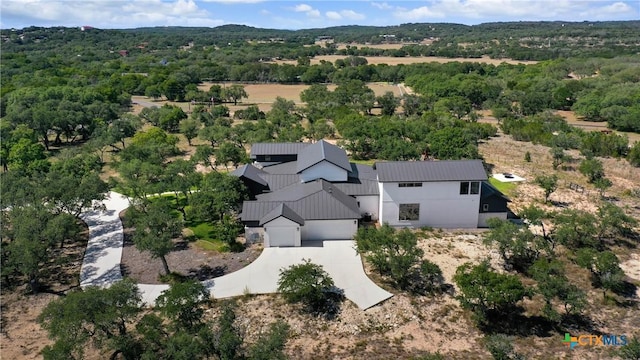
310 285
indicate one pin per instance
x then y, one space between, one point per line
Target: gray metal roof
284 211
363 187
277 182
315 200
319 151
363 171
250 172
424 171
276 148
284 168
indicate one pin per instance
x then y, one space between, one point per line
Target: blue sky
117 14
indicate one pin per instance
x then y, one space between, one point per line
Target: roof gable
317 200
250 172
282 210
320 151
425 171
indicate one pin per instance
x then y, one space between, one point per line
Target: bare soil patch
391 60
21 337
186 259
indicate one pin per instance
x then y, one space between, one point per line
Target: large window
469 187
409 212
411 184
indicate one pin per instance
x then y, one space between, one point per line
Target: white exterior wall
281 232
324 170
329 229
441 205
483 217
369 204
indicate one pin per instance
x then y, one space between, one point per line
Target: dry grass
391 60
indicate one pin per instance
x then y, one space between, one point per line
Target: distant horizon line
328 27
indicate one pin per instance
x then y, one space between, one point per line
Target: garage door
281 236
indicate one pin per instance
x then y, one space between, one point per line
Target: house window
267 158
409 212
410 184
485 207
469 187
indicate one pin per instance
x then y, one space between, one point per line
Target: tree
500 347
217 195
388 102
310 285
155 230
549 183
634 154
484 291
189 128
558 155
576 229
101 315
517 245
270 346
396 254
183 304
229 340
552 284
592 169
230 153
602 184
604 267
613 222
453 144
234 93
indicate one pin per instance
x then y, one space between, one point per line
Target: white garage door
281 236
329 229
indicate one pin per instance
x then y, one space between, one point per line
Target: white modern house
305 192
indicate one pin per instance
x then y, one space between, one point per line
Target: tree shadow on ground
518 324
579 323
206 272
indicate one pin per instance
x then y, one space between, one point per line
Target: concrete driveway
101 263
337 257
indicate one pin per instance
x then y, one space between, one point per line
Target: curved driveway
101 264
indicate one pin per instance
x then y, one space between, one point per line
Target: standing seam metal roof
317 200
425 171
276 148
319 151
250 172
284 211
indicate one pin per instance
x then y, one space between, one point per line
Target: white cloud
302 8
308 10
352 15
421 13
333 15
344 14
108 14
382 6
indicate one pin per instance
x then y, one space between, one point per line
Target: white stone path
101 264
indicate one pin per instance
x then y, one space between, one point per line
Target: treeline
534 40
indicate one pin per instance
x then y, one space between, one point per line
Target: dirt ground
187 259
404 326
391 60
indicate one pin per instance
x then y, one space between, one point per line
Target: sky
120 14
